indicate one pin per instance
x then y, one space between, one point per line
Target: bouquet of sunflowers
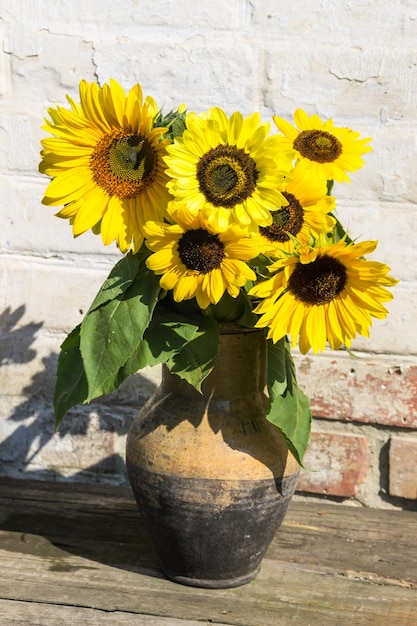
218 220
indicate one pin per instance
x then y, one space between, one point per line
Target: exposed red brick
335 464
360 390
403 467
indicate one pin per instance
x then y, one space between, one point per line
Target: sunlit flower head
325 294
228 168
195 261
306 214
323 148
106 163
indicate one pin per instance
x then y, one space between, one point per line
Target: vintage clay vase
211 475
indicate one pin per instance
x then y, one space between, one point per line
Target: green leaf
339 231
289 408
71 383
230 309
174 123
111 332
260 265
120 278
196 360
178 126
167 334
277 368
330 184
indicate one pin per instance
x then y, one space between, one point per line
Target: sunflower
324 293
106 163
195 260
306 213
324 149
228 168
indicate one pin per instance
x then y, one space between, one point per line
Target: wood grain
80 555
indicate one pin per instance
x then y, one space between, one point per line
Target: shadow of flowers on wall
88 447
15 340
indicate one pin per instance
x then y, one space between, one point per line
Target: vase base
209 583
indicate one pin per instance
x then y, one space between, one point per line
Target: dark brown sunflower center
318 282
289 219
131 158
123 165
200 250
226 175
318 145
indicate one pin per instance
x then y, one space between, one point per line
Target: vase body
211 475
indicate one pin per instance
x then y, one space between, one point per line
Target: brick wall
354 62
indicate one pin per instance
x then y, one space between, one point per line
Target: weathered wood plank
77 514
19 614
283 593
84 548
380 542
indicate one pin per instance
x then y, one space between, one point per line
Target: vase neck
239 369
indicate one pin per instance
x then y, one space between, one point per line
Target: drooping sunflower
323 148
228 168
106 163
324 293
196 261
306 214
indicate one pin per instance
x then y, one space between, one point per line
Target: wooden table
79 554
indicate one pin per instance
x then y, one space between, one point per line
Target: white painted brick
29 226
326 77
28 356
20 150
362 22
52 292
188 71
21 36
75 59
397 334
390 224
28 359
87 18
353 62
30 447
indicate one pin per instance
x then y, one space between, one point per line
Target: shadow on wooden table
94 522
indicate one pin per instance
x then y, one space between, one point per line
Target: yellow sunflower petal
327 151
107 143
186 287
226 167
112 223
329 296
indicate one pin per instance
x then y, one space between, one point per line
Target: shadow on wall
15 342
29 445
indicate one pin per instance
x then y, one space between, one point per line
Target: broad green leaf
167 334
111 333
120 278
291 415
71 383
196 360
289 408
